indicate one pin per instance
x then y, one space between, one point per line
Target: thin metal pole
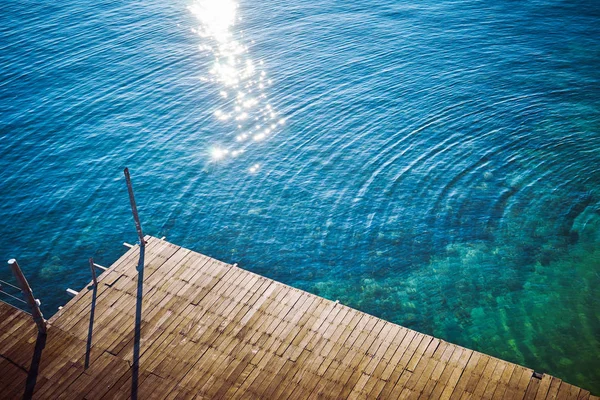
93 269
36 313
136 217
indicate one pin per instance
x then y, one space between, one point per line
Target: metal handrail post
36 313
136 217
93 269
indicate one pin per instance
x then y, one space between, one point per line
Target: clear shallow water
436 164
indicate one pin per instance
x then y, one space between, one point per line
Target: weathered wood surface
209 330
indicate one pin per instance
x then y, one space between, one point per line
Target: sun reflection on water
243 82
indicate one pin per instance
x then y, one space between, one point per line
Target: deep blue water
434 163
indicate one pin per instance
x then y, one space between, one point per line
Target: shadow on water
138 322
88 346
32 375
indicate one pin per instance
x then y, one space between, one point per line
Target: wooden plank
300 328
85 382
426 348
386 340
477 373
553 390
307 340
465 376
272 301
9 317
230 329
346 329
417 344
526 378
513 384
544 387
298 374
268 308
376 372
422 373
532 389
583 395
502 382
212 330
567 391
173 268
441 370
486 376
454 362
12 333
361 358
321 322
290 368
456 373
349 357
223 350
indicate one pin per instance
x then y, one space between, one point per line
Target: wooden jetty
170 323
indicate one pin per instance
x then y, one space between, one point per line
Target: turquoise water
434 163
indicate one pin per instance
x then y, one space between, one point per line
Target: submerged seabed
436 164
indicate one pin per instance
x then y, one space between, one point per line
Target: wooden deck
188 326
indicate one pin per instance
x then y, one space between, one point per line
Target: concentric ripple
433 163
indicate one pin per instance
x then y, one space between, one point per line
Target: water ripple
435 164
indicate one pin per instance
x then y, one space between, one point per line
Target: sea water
433 163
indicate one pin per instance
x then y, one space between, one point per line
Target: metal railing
25 289
134 210
4 284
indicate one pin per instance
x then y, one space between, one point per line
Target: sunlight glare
241 82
